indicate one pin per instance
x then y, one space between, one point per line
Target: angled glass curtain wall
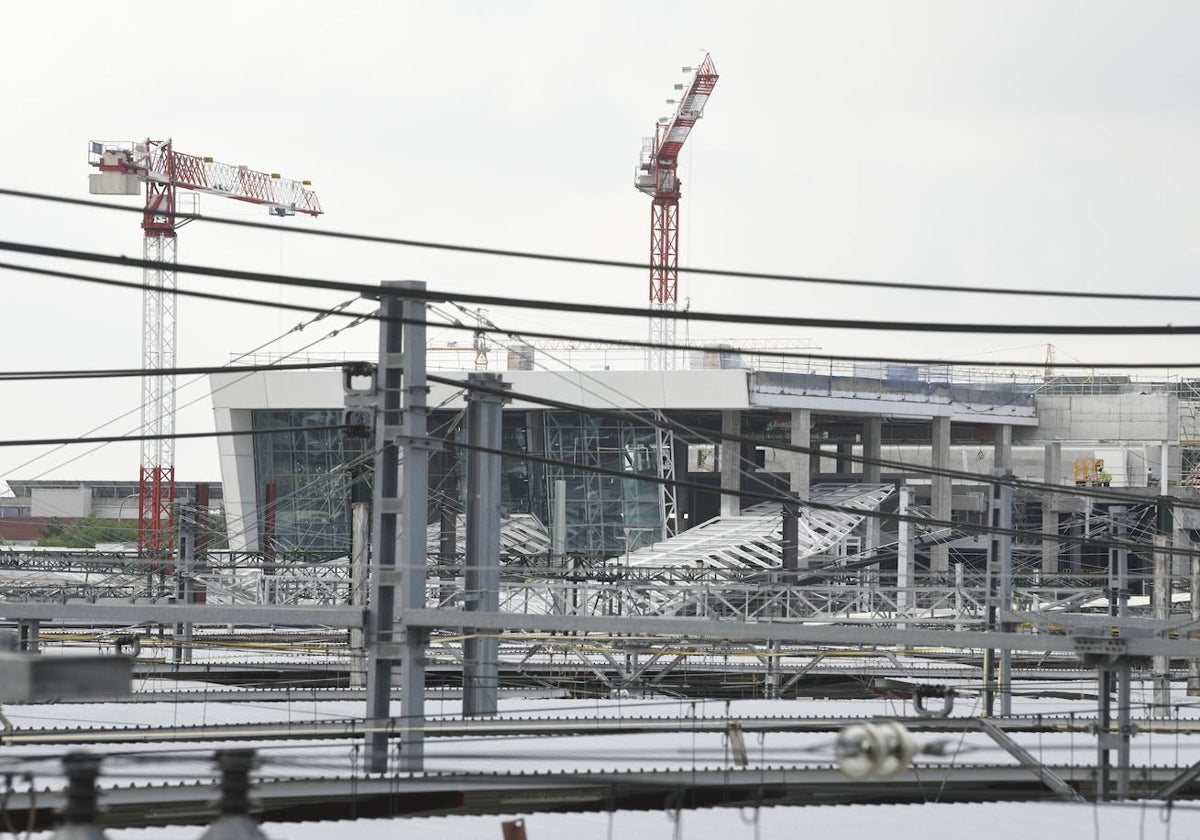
606 515
308 469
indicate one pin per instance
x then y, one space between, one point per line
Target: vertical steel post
558 547
414 487
941 494
185 571
270 510
789 548
997 676
1193 679
482 574
1118 564
1124 726
1162 603
385 532
1003 519
872 448
204 532
558 521
1104 733
398 530
905 565
360 543
1117 672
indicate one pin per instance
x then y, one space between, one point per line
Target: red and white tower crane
657 176
123 168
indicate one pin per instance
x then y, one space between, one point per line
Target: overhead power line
375 292
615 342
118 373
788 499
716 437
623 264
66 441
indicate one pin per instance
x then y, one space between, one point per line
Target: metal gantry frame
398 537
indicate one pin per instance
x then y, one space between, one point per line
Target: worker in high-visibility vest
1104 477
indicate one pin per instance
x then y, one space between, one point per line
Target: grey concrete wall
76 502
1124 417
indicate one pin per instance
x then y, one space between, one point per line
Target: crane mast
123 168
657 176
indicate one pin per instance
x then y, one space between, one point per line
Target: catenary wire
641 313
785 499
175 436
118 373
320 315
607 309
609 263
615 342
716 436
969 527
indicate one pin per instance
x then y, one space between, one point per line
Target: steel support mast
156 478
657 176
123 167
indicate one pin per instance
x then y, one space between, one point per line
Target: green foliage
218 535
85 533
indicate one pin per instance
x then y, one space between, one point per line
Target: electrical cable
118 373
639 313
246 521
716 437
375 292
319 316
926 522
971 477
745 466
615 342
623 264
176 436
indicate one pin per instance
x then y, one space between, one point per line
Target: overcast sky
1023 144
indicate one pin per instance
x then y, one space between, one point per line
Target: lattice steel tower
657 177
123 167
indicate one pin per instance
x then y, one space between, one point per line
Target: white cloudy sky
1023 144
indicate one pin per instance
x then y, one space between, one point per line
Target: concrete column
730 460
940 492
1050 509
872 438
1003 447
360 543
845 466
801 462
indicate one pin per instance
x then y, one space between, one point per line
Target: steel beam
92 613
848 635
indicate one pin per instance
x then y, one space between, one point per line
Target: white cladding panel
52 501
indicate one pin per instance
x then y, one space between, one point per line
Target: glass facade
308 471
605 514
